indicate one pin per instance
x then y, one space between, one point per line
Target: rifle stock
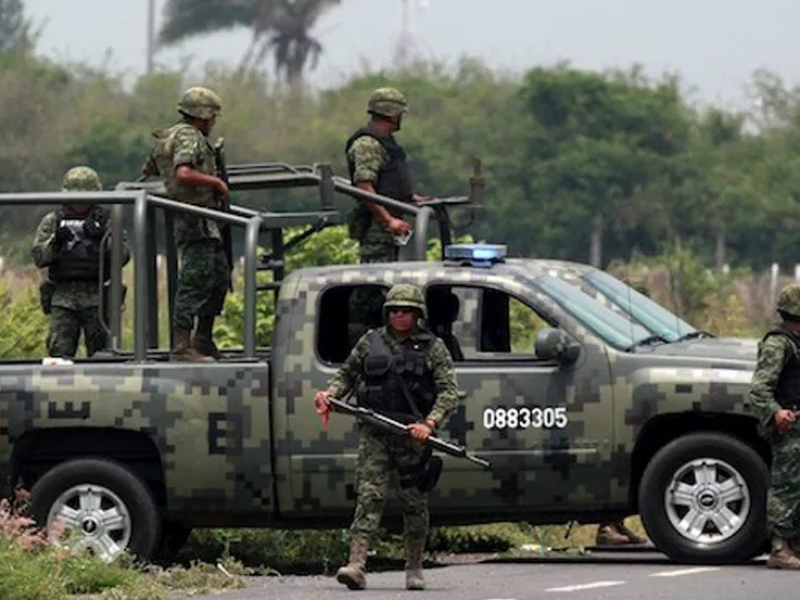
388 424
225 205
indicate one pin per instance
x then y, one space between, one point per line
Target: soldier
68 241
185 160
773 397
377 164
408 374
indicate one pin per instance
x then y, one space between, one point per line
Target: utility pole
151 24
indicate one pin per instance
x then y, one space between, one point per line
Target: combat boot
183 350
616 534
782 556
414 552
203 340
354 574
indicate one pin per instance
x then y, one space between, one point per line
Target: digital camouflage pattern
74 304
200 103
369 157
783 498
238 442
405 296
81 178
65 329
202 283
387 102
381 455
184 144
438 361
789 300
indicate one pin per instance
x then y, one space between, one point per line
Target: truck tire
107 504
702 499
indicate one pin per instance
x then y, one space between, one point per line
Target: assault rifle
388 424
225 203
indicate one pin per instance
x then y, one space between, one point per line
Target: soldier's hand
323 408
63 234
398 227
222 187
419 431
784 419
92 229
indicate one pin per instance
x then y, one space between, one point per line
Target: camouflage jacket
774 353
184 144
73 295
438 360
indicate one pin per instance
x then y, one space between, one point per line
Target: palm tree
279 26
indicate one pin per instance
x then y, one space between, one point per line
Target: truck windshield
650 314
608 325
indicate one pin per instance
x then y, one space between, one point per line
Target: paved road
600 577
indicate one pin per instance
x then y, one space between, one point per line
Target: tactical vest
382 389
394 179
79 258
787 390
162 154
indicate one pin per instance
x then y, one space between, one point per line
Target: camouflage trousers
65 331
378 246
783 497
379 455
202 282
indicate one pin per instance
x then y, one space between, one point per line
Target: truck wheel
103 505
702 499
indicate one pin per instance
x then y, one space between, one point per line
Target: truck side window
346 312
484 323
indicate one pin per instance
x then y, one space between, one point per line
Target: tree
15 28
282 27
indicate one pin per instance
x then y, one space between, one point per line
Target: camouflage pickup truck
582 412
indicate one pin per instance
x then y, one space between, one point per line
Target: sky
715 45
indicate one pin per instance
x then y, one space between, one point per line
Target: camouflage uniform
68 242
774 387
380 453
205 274
377 159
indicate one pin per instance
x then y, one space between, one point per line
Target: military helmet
200 103
405 295
388 102
789 300
84 179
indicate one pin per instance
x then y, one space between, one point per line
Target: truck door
542 428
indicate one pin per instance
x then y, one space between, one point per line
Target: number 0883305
524 417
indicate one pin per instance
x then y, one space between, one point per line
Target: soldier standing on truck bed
377 164
69 242
774 398
407 374
186 162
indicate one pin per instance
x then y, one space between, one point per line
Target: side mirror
554 344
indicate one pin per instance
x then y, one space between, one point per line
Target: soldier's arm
43 252
444 378
186 153
773 354
368 157
345 378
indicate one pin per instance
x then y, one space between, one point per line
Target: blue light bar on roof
476 254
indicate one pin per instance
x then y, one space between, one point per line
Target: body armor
398 384
79 258
394 179
787 390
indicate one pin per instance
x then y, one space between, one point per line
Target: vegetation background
610 168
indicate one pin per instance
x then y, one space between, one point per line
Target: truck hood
723 347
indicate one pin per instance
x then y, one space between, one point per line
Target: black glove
92 229
63 234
